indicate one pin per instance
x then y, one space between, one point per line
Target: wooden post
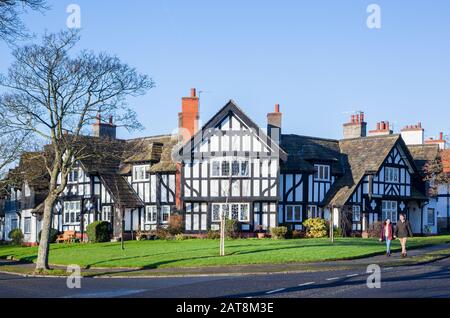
222 235
332 225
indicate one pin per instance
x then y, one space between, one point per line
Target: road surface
431 280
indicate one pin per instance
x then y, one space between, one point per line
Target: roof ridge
312 137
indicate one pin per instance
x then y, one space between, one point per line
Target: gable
230 130
397 157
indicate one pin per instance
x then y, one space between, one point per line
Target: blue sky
316 58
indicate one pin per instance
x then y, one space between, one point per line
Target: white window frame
151 210
390 210
356 209
244 167
27 225
107 213
165 210
229 211
72 208
137 173
392 175
313 212
292 207
71 177
322 172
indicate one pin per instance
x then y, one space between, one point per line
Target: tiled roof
303 150
423 154
360 157
123 194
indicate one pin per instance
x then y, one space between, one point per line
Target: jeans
388 246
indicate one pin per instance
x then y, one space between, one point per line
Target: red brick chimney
356 128
189 117
383 128
274 124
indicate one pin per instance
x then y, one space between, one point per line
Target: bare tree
435 175
11 25
12 144
55 97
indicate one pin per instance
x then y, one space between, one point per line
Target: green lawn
163 254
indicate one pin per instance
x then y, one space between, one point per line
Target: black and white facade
232 167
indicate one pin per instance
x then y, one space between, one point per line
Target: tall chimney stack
274 121
383 128
104 130
356 128
189 117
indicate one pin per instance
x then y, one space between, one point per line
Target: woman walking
402 232
387 234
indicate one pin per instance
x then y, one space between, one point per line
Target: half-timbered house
230 167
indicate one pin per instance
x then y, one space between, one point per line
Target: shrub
99 232
16 236
141 236
175 224
315 228
162 233
52 236
181 237
278 233
232 228
375 230
337 232
213 235
298 234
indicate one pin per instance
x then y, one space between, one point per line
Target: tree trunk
44 246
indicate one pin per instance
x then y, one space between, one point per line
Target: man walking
402 232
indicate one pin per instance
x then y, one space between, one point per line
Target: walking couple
402 232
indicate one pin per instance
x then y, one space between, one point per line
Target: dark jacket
403 229
390 231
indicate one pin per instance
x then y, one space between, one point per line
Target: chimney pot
277 108
362 117
378 126
441 136
111 120
193 92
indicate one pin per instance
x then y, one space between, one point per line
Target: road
431 280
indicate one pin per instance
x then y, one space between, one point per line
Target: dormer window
391 175
321 172
141 173
73 176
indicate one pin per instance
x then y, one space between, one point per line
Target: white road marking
108 294
352 275
333 278
275 291
306 284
